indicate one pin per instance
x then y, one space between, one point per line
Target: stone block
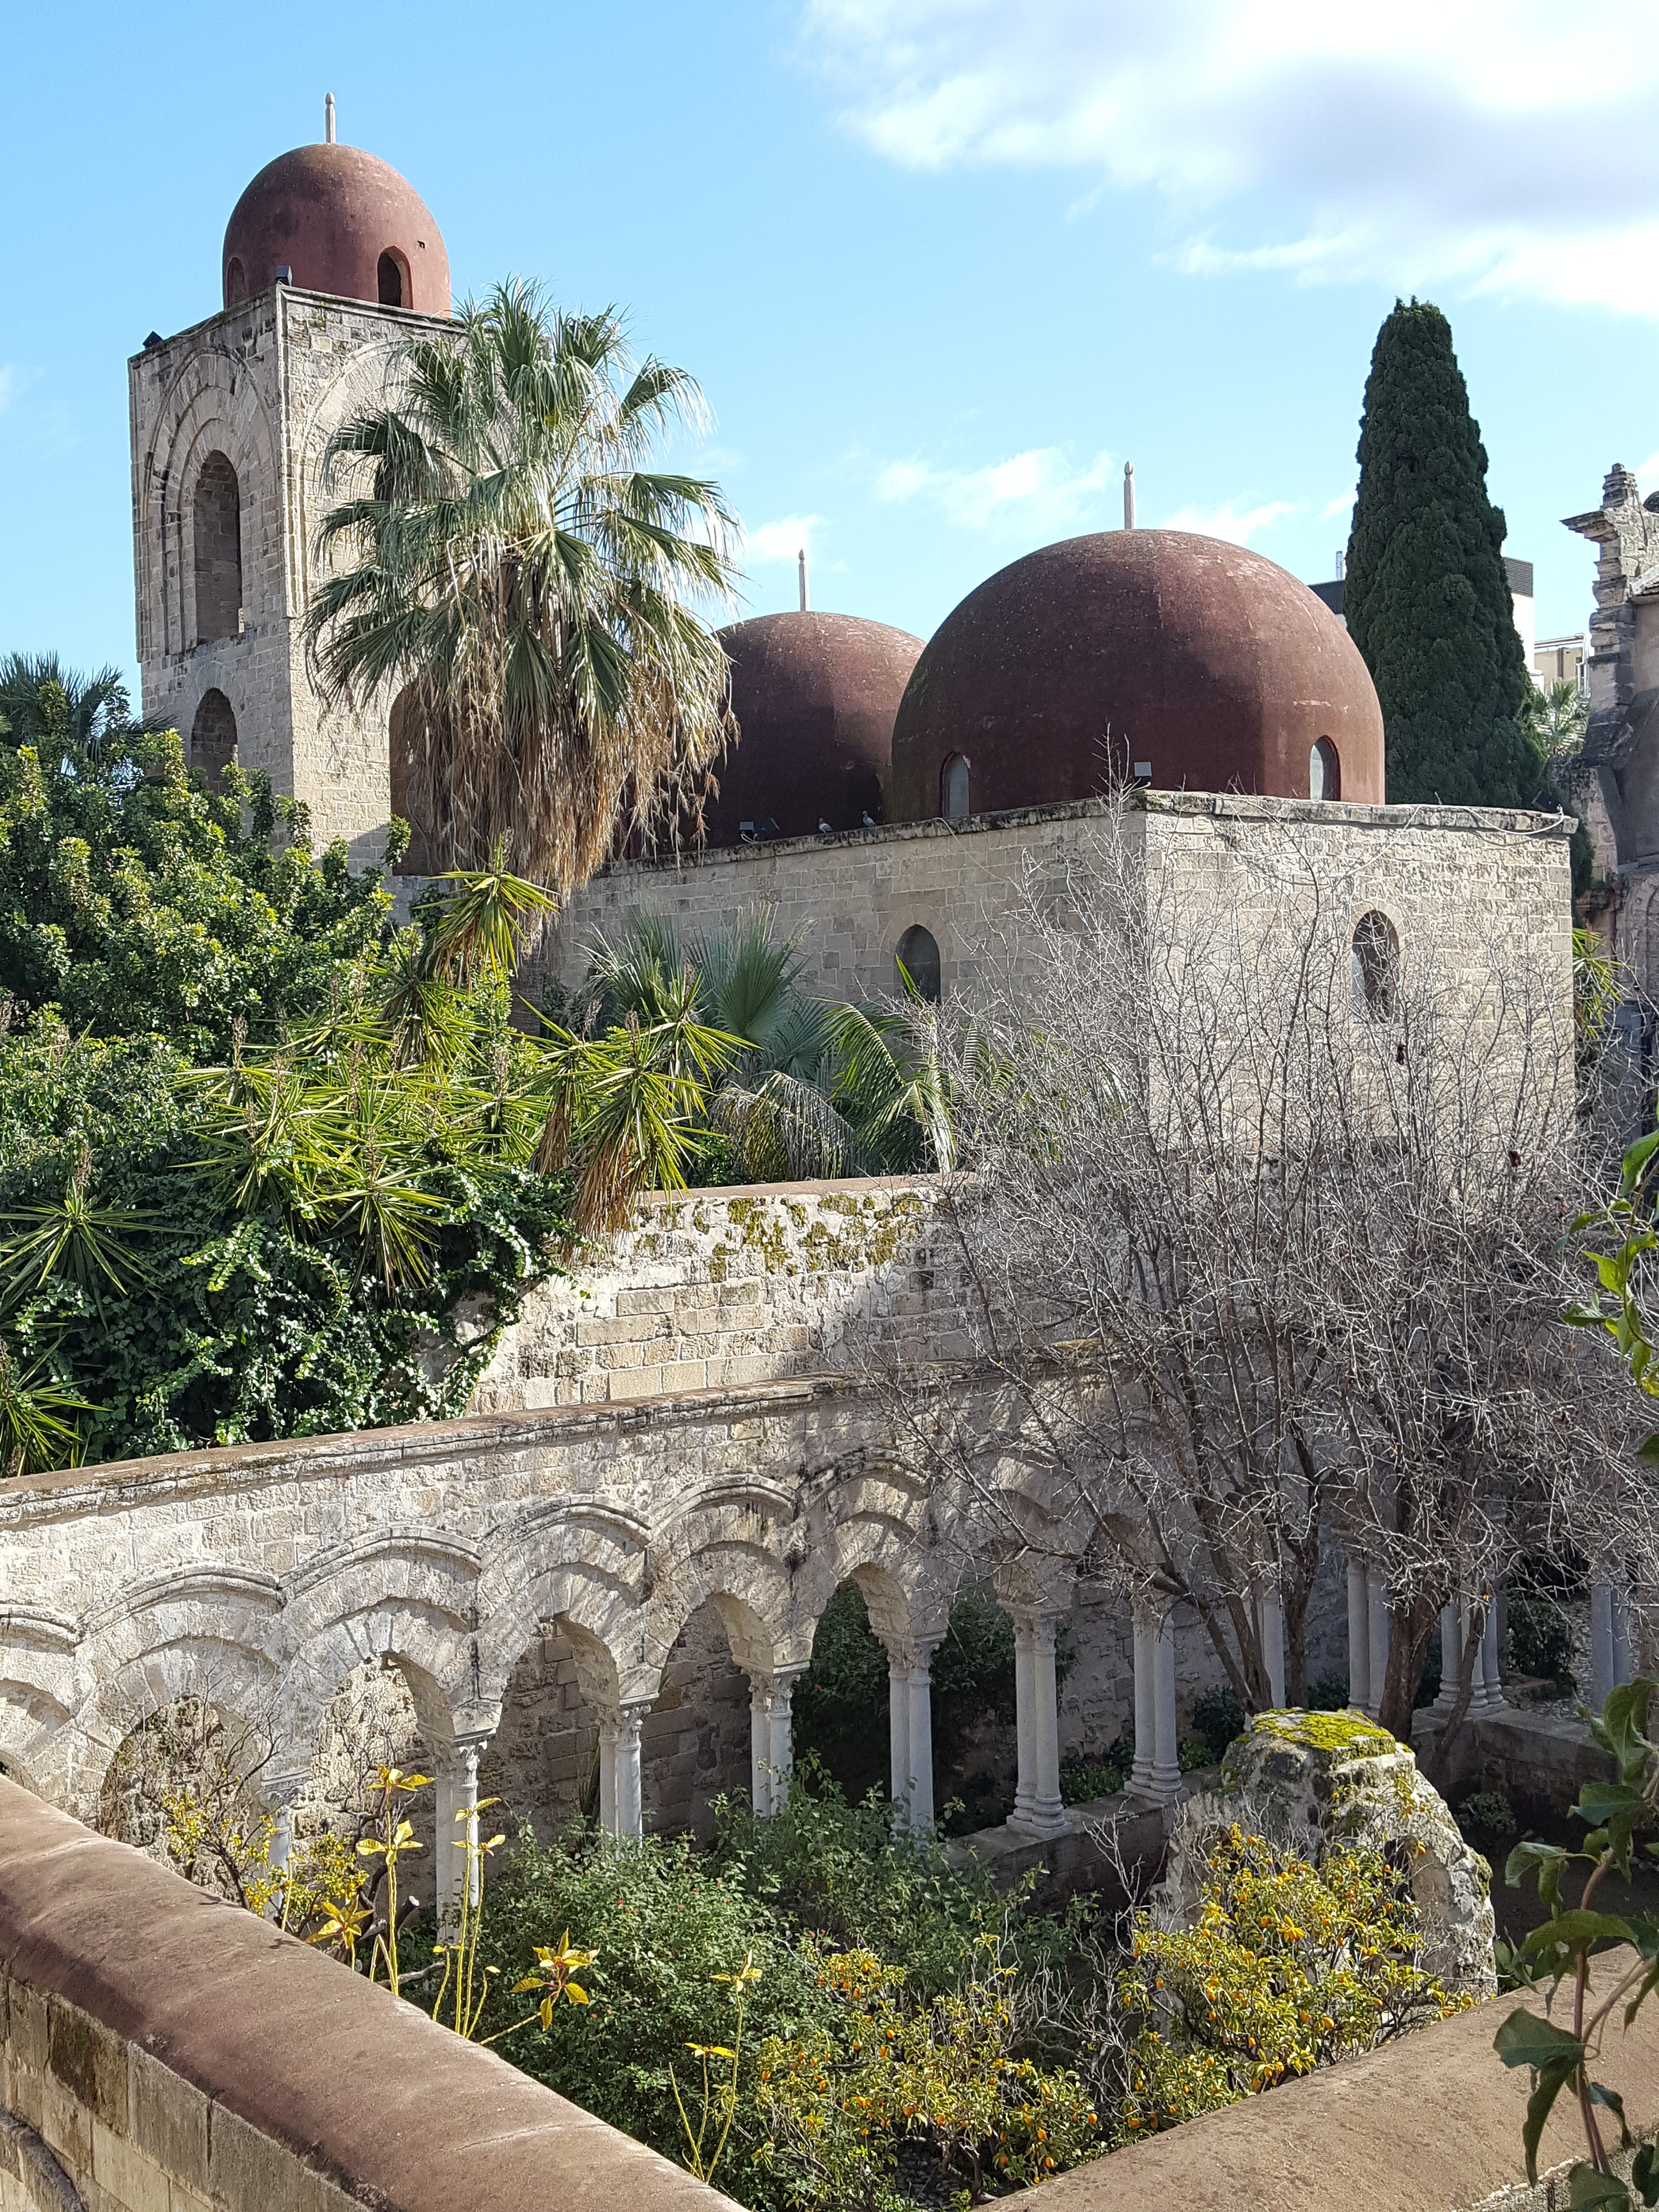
167 2119
90 2062
134 2181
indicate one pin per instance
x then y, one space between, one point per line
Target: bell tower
330 262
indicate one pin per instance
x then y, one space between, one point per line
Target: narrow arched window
213 737
235 280
917 959
1324 771
953 788
1376 967
418 769
393 278
218 520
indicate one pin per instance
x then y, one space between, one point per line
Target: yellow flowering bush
1288 1966
839 2099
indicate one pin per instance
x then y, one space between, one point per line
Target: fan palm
504 552
43 702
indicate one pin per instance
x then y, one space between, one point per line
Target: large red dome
1207 665
340 220
814 696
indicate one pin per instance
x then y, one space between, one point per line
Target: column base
1041 1822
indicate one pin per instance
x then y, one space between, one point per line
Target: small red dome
1212 666
340 220
814 696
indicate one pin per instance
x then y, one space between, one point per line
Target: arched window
392 275
213 736
953 788
416 772
1324 771
235 280
218 551
918 959
1376 967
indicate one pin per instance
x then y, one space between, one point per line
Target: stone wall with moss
717 1289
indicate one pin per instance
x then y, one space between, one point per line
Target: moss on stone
1348 1732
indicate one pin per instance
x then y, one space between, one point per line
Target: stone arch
213 737
1376 963
392 279
216 551
210 406
917 956
36 1740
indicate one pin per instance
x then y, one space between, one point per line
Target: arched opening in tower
213 737
218 519
392 275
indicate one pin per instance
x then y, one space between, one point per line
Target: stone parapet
164 2052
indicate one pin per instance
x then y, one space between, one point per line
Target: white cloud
1041 489
1230 522
781 540
11 383
1486 145
1343 504
1647 472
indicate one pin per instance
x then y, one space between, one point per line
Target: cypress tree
1427 600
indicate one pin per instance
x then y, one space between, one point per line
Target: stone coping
339 2079
404 317
1237 806
1430 2124
68 1490
830 1187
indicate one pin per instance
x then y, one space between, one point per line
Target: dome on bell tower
340 220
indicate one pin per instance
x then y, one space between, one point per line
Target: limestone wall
715 1289
162 2052
265 383
1453 881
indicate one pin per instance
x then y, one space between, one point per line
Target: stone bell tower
330 261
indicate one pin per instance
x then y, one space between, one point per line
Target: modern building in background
1521 591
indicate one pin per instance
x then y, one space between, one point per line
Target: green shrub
840 1708
1540 1639
1488 1821
1218 1717
1328 1693
1083 1780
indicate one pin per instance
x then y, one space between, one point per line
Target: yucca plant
39 1424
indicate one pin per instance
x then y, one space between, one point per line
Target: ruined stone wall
265 383
714 1289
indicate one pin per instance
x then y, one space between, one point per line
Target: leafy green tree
132 901
501 550
1427 600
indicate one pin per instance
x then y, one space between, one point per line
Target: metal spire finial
801 559
1128 495
328 120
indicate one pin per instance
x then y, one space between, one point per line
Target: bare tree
1262 1227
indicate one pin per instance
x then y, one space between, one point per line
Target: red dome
340 222
814 696
1216 668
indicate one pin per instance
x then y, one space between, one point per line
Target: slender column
762 1781
1377 1640
608 1773
281 1792
1451 1654
1140 1775
1270 1630
1491 1672
1166 1744
1622 1668
1602 1661
629 1799
1359 1638
784 1680
898 1720
456 1808
1038 1808
922 1737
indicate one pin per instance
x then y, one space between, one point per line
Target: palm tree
504 554
44 703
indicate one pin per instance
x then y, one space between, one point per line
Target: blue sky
941 265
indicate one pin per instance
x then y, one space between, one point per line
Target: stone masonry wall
265 383
715 1289
1453 880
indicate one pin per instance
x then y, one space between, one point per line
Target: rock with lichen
1308 1780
